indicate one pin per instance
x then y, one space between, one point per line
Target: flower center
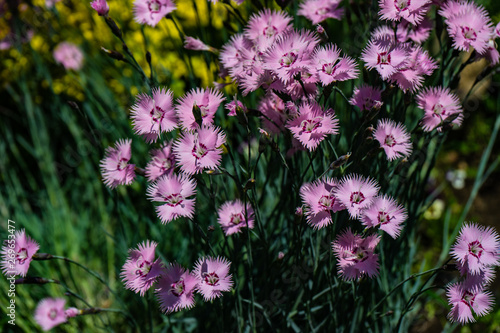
357 198
288 59
122 164
199 150
383 218
389 141
174 199
157 114
203 110
401 4
383 58
438 110
52 314
143 267
468 298
211 278
322 11
154 6
236 218
270 31
177 288
476 249
358 254
329 68
326 201
309 125
469 33
22 256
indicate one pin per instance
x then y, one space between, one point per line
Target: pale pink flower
69 55
465 302
101 7
411 75
233 105
162 162
207 100
367 97
319 10
17 254
439 104
491 54
50 312
191 43
199 150
331 67
175 289
213 276
386 214
141 270
153 115
264 27
477 247
174 192
386 59
312 124
232 216
275 112
152 11
417 33
497 30
482 279
355 255
394 138
356 192
320 202
115 168
412 11
72 312
231 54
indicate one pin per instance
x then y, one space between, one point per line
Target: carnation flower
355 255
50 312
331 67
482 279
412 11
191 43
233 105
152 11
175 289
476 248
173 191
320 202
275 112
232 216
386 214
199 150
386 59
162 162
213 277
394 138
207 101
153 115
417 33
312 124
17 254
319 10
69 55
101 7
367 97
439 104
114 166
141 270
497 30
264 27
356 193
411 75
466 301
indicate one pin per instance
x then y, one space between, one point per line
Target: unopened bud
113 54
114 28
197 114
340 161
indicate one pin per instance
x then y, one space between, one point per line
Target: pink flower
319 10
331 67
115 169
153 115
207 101
497 30
394 138
355 255
312 124
412 11
477 247
356 193
465 301
176 288
152 11
233 216
275 112
417 33
141 270
50 312
320 202
439 104
199 150
386 59
17 253
69 55
174 191
195 44
162 162
213 277
491 54
233 105
411 75
264 27
482 279
386 214
367 98
101 7
72 312
231 55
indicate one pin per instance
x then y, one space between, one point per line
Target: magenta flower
176 288
17 254
69 55
356 193
141 270
199 150
191 43
320 202
152 11
101 7
115 169
162 162
367 97
264 27
331 67
386 59
319 10
466 301
411 75
394 138
50 312
355 255
174 191
386 214
213 277
312 124
207 101
412 11
153 115
439 104
477 247
233 216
